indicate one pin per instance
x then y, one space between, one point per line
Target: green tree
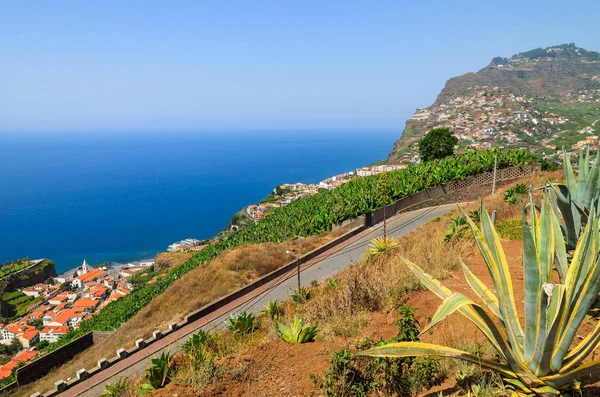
41 345
437 144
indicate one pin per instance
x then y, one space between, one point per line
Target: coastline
329 183
129 209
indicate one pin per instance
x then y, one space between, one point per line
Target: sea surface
124 197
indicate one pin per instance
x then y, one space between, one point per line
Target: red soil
279 369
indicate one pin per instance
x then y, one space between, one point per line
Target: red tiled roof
29 335
86 302
91 275
56 330
4 373
25 356
64 316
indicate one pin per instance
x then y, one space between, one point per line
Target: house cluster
366 171
23 357
485 115
586 96
189 244
58 311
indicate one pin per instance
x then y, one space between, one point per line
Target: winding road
319 268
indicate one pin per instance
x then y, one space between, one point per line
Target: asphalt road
323 267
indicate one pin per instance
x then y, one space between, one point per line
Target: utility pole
384 192
297 266
495 166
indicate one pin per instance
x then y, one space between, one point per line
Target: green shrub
333 283
350 375
379 246
196 348
510 196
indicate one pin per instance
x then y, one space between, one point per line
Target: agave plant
380 246
539 356
333 283
243 323
521 188
158 373
456 228
510 196
297 331
195 346
272 309
301 295
115 390
576 198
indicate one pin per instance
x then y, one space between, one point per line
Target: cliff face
38 274
546 84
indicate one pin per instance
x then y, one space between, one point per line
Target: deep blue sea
122 197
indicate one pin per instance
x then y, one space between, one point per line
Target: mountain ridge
557 88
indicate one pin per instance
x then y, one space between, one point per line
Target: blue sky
193 65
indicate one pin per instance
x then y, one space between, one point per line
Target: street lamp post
297 266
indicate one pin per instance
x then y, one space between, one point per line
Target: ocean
124 197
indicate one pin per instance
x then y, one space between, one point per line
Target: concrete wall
44 364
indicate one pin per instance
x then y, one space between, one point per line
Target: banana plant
577 196
538 356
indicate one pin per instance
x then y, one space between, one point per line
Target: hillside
370 302
539 99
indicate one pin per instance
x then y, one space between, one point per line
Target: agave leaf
285 332
562 379
584 295
576 356
410 349
474 313
482 291
535 304
450 305
489 244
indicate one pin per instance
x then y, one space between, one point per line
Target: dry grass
379 285
173 258
198 287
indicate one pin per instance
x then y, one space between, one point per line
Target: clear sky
151 65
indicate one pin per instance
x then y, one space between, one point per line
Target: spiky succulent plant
541 355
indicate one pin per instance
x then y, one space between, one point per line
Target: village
483 116
61 304
289 192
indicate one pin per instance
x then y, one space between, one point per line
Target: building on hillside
29 338
84 268
86 304
12 331
22 357
147 262
183 245
128 271
67 317
52 334
92 275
